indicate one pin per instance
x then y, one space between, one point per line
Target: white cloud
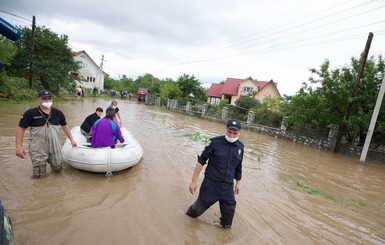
213 40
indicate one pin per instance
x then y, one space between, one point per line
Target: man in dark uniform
44 140
89 121
224 155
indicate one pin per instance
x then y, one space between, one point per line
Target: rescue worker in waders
224 157
44 140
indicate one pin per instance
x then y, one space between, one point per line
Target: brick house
233 88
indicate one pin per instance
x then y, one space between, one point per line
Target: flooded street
290 194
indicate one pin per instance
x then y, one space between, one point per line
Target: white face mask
114 107
47 104
231 140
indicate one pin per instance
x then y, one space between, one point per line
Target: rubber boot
39 172
227 213
196 209
35 172
43 171
56 168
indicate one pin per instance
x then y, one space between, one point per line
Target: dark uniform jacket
224 160
34 117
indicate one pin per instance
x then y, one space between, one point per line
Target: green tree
247 102
53 64
268 112
324 100
7 50
190 85
169 90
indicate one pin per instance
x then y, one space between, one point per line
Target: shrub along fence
324 141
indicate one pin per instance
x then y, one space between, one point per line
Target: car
142 93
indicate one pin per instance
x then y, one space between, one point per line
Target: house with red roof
233 88
92 74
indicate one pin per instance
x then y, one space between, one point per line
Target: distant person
85 128
114 107
105 132
78 92
223 157
44 140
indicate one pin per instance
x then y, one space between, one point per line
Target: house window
91 79
215 100
83 65
247 90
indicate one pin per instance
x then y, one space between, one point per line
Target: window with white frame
215 100
247 90
83 65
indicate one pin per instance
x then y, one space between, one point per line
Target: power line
269 31
16 15
243 47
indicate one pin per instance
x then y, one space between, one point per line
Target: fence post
188 107
157 101
204 110
174 104
250 118
333 135
283 126
225 112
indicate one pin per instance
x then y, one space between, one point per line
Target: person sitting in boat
85 128
114 107
106 132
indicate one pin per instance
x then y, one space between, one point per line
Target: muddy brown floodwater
290 194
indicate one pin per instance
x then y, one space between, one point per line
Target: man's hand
20 152
193 187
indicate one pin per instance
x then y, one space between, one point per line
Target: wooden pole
31 50
364 56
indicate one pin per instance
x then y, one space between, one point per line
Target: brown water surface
290 194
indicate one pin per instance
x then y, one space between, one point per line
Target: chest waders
38 151
44 147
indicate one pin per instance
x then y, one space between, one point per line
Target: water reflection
290 194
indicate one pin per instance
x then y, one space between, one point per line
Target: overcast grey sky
212 39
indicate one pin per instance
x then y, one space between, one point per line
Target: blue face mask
231 140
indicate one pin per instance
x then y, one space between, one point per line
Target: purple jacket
105 132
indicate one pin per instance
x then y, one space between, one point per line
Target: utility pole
99 74
373 121
364 56
31 50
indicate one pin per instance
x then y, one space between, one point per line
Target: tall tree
53 63
324 100
190 85
7 50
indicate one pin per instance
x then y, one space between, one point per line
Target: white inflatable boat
104 159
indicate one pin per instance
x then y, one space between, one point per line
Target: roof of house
215 90
231 86
77 53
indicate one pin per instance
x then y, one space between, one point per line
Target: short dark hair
99 109
110 114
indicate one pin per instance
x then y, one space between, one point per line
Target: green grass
197 137
355 205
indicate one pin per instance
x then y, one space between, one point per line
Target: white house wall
91 70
